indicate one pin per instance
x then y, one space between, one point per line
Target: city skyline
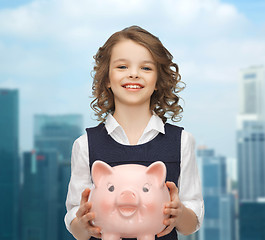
53 135
47 53
47 171
46 176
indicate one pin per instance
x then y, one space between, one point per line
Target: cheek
106 206
151 207
153 78
115 76
152 82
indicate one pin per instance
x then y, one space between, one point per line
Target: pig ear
100 169
158 171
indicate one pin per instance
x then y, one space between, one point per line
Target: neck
133 120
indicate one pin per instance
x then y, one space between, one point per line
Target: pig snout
128 197
127 203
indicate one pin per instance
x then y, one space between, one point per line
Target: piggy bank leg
110 236
146 237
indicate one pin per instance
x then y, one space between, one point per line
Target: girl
136 88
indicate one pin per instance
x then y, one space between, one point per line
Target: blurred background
46 59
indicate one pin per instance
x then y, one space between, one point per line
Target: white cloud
23 21
47 47
56 19
195 16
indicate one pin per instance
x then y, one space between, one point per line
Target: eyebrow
125 60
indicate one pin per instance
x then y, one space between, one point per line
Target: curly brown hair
164 101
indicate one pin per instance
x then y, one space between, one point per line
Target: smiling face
132 74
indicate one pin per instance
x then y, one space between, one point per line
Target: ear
158 170
100 169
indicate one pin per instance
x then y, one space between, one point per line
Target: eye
111 187
146 68
146 187
122 67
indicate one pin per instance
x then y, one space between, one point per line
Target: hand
174 209
85 217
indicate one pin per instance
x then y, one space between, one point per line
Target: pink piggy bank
128 200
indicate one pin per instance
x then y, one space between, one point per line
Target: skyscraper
9 170
57 133
251 152
219 206
252 220
227 216
251 134
251 93
39 212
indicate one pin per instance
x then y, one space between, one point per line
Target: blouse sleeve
80 178
190 192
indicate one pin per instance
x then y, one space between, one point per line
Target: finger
166 231
173 190
95 231
96 235
85 195
169 222
173 204
83 209
171 211
88 217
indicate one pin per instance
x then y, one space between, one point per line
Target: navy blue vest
164 147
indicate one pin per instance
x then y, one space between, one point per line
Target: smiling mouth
132 86
127 211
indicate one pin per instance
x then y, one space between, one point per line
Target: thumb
173 190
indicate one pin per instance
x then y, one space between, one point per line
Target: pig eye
146 187
110 187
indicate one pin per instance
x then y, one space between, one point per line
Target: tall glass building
9 170
252 218
251 152
251 160
39 211
251 134
251 92
56 133
219 205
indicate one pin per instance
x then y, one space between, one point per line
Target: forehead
130 172
130 50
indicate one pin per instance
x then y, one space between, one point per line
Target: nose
128 197
133 74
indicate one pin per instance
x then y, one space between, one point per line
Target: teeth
132 86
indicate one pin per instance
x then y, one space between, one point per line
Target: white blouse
189 183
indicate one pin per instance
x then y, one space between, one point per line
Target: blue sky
47 48
253 10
